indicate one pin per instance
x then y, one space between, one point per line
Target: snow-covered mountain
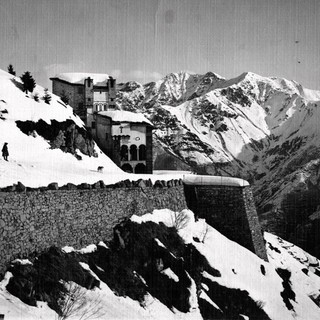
178 271
265 130
195 273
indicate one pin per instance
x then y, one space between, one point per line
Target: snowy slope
31 160
240 271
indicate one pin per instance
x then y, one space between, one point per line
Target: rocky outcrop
162 266
65 135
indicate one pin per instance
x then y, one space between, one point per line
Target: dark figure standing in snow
5 152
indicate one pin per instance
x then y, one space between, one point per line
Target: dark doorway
127 168
140 168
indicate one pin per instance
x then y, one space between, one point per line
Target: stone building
86 93
126 137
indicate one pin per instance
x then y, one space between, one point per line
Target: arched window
127 168
124 156
140 168
142 152
133 152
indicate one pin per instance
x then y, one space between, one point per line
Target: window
93 125
133 152
124 153
111 99
142 152
89 99
107 136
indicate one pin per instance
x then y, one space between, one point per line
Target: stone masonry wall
230 210
31 221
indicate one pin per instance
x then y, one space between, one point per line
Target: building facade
86 93
124 136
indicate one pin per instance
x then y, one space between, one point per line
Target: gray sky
144 40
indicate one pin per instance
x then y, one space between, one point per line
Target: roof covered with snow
192 179
99 79
126 116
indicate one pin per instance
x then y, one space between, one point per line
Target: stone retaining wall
230 210
75 215
34 219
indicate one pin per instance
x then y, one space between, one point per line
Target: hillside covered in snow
47 142
164 265
265 130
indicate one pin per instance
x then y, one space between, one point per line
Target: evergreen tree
47 96
28 82
36 97
11 70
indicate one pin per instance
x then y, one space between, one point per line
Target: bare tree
75 303
180 220
205 233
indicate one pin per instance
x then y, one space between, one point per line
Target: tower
111 93
88 100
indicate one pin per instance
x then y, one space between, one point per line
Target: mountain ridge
262 129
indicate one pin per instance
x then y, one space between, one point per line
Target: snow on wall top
214 180
126 116
99 79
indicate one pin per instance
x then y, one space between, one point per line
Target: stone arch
133 152
142 152
127 168
140 168
124 154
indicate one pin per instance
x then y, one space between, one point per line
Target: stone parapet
231 210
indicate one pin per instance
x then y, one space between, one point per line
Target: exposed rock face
63 135
162 265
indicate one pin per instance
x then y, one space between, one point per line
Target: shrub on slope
65 135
